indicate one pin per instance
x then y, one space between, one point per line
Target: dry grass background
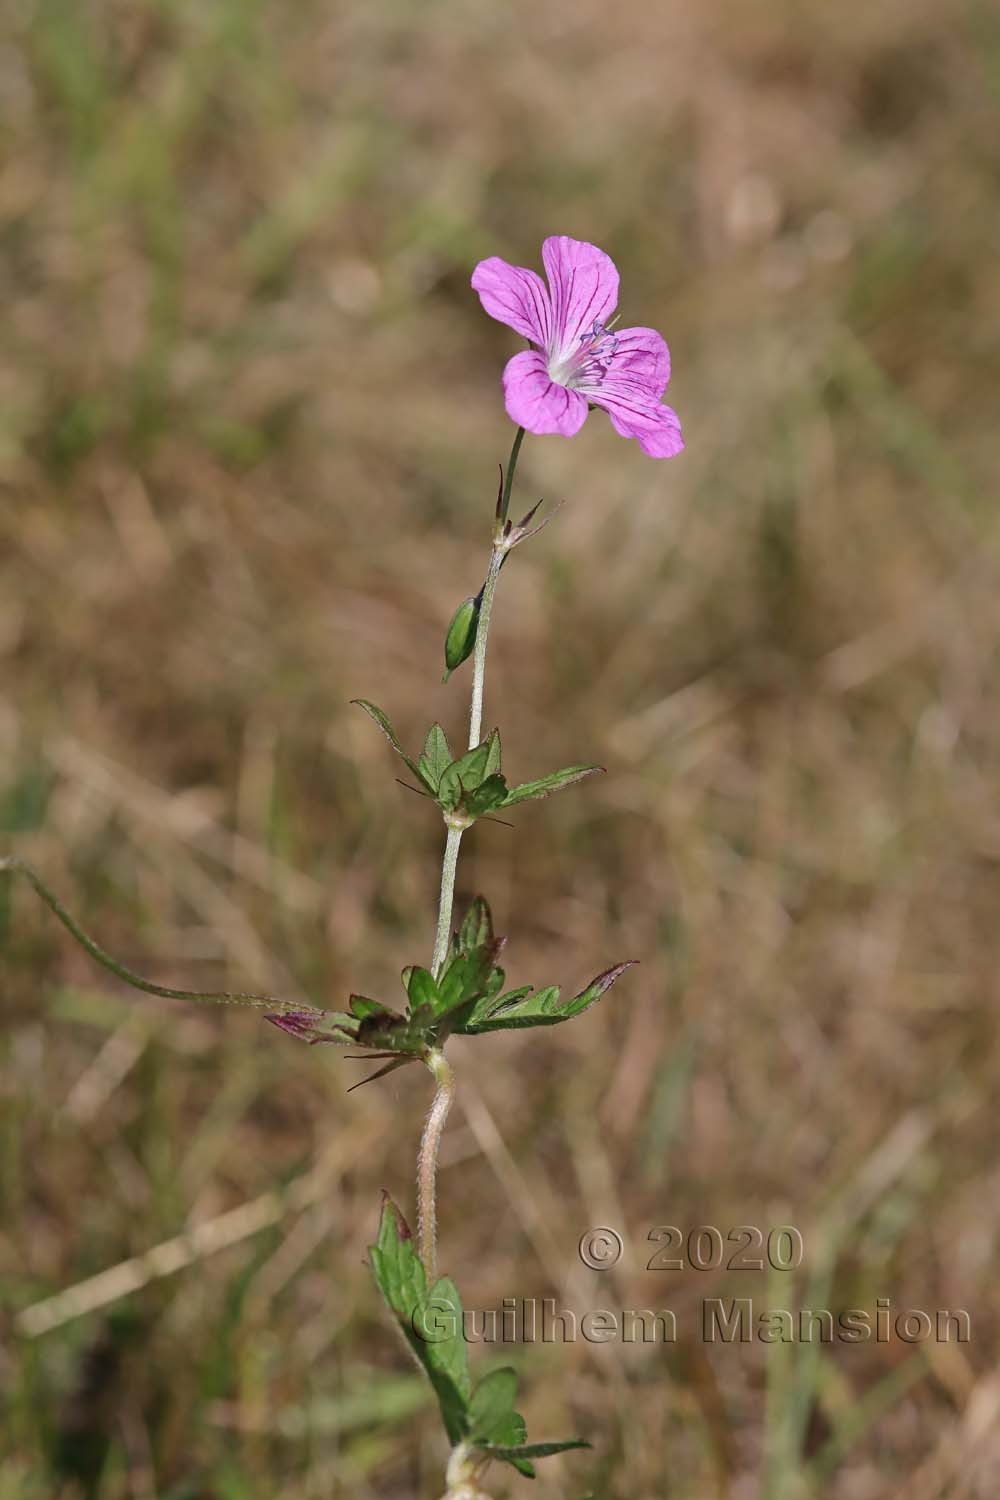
249 423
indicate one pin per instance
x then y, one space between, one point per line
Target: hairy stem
486 603
10 864
441 1104
450 862
448 867
427 1162
482 636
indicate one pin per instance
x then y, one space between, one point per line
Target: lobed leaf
522 1008
401 1279
529 791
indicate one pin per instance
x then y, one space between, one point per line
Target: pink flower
577 360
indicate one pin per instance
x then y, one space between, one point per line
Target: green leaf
468 978
463 775
435 758
493 758
521 1454
521 1008
495 1428
362 1007
487 1005
462 980
382 720
422 989
492 1407
528 791
461 636
491 793
387 1032
431 1325
511 1432
540 1450
476 930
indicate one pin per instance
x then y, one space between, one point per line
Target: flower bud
461 637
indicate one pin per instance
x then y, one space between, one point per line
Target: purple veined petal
583 282
537 403
515 296
640 356
655 427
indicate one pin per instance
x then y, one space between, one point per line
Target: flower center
588 363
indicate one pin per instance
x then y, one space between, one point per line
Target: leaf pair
473 784
467 998
432 1323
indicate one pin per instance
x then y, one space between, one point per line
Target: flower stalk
427 1160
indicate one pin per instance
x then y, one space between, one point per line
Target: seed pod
461 637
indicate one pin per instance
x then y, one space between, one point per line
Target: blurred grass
249 421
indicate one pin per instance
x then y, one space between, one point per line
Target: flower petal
641 356
584 286
535 402
515 296
634 414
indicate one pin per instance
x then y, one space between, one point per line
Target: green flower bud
461 637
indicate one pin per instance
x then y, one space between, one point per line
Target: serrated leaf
431 1325
520 1008
492 1407
382 720
528 791
491 793
435 758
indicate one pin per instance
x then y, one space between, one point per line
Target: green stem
430 1141
11 865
